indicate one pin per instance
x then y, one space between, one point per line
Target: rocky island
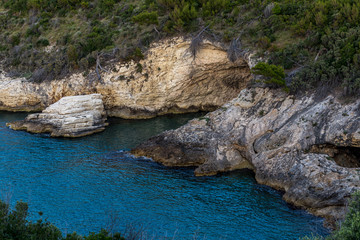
73 116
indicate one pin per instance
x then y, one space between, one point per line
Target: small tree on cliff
273 75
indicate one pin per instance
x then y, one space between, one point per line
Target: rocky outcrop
168 80
74 116
295 145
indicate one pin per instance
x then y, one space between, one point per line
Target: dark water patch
90 183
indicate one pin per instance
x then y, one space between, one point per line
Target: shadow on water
84 184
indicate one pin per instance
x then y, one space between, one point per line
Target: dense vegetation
316 41
350 228
273 75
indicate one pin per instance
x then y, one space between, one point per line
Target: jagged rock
168 80
283 139
73 116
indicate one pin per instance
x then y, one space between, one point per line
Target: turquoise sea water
90 183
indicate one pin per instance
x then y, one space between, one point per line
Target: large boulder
73 116
306 147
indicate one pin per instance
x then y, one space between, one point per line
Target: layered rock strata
308 148
73 116
168 80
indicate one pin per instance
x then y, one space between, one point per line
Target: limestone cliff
308 148
74 116
168 80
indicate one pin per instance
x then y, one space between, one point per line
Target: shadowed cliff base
344 156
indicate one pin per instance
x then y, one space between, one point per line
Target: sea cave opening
344 156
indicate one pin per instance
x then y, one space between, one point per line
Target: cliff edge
168 80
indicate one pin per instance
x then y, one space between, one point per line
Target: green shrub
350 228
135 55
14 225
106 5
72 54
212 7
264 42
276 9
15 39
32 31
43 42
3 48
84 4
98 39
103 235
338 64
146 18
273 75
139 67
16 5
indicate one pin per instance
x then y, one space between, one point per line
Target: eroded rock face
273 134
168 80
73 116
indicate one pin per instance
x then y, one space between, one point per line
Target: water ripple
81 184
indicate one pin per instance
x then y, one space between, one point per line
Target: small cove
90 183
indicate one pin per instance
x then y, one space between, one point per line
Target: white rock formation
73 116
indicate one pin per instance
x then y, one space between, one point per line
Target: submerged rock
73 116
168 80
308 148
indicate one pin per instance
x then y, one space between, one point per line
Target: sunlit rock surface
74 116
168 80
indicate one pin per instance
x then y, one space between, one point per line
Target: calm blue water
91 183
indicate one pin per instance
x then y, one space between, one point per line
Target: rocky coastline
308 148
